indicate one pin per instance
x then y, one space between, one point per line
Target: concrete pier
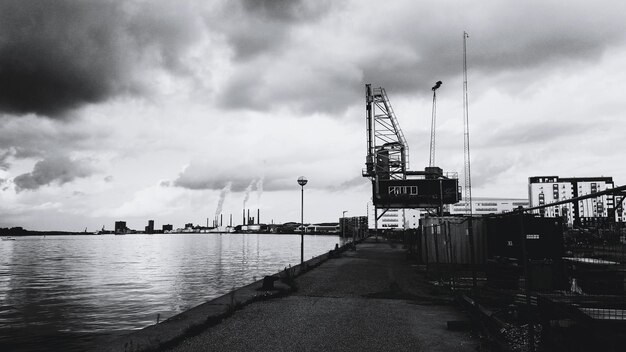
371 299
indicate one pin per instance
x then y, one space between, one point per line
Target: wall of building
550 189
488 205
394 218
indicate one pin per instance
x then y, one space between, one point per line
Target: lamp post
302 181
343 225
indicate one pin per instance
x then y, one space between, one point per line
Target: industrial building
120 227
550 189
150 227
486 205
349 226
394 218
391 219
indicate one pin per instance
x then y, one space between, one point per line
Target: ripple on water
71 293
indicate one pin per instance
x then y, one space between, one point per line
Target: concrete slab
368 300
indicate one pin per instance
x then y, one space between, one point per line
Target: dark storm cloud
4 157
330 93
29 137
416 46
287 10
58 169
58 55
536 37
257 27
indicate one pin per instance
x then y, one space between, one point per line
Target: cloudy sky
137 110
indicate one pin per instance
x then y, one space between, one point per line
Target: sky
141 110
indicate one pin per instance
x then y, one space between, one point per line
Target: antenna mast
466 140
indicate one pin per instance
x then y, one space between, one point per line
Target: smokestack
231 220
248 223
243 218
258 216
207 222
221 218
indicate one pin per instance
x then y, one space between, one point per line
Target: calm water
71 293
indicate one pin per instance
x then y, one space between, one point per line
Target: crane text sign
420 193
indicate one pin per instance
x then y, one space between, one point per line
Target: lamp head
302 180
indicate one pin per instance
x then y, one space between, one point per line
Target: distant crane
433 124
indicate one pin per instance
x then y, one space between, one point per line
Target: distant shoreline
26 233
42 233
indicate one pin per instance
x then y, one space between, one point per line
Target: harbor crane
387 163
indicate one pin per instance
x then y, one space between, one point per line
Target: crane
466 135
433 124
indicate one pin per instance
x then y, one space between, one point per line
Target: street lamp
302 181
343 225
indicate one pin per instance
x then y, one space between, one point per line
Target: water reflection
71 292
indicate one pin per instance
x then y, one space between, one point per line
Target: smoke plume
246 195
223 193
259 190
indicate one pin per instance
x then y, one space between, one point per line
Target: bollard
268 283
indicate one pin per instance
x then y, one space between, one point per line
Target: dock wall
173 330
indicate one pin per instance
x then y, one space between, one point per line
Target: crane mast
387 149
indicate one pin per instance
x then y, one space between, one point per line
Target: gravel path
368 300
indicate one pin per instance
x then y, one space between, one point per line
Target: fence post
425 249
470 237
531 326
451 257
436 229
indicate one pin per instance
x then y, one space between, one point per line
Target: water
72 293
